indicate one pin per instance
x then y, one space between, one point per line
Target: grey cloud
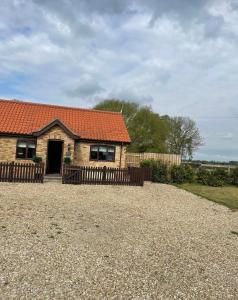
213 26
80 15
157 7
85 88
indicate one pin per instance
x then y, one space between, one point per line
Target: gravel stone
113 242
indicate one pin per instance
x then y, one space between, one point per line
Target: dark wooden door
54 157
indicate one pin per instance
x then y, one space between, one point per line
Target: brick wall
82 151
56 133
8 150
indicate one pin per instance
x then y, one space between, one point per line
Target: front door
54 157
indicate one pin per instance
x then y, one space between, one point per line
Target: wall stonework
56 133
8 150
82 153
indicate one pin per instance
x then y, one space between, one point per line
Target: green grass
227 195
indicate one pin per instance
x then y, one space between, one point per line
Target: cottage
87 137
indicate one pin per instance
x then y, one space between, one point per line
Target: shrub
147 163
190 174
160 171
37 159
234 176
221 175
67 160
212 178
203 176
182 174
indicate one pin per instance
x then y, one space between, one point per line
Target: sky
178 56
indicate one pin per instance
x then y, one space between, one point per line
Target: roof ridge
57 106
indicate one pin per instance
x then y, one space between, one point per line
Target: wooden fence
18 172
134 159
147 173
110 176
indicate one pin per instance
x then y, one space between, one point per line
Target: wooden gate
110 176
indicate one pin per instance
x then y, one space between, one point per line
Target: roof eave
56 122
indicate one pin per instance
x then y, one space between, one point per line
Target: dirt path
101 242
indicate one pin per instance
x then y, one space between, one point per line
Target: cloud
85 88
179 56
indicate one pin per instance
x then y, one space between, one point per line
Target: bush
160 170
212 178
234 176
67 160
189 173
222 175
182 174
160 173
203 176
37 159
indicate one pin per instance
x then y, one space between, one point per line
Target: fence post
11 168
104 173
42 172
63 174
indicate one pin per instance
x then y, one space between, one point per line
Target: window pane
102 155
32 145
94 149
111 149
21 152
102 149
111 156
21 144
94 153
31 152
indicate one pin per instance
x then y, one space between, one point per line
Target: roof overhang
56 122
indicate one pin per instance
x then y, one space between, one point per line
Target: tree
183 137
128 109
148 131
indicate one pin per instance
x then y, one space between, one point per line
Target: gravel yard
103 242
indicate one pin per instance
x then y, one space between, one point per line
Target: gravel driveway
102 242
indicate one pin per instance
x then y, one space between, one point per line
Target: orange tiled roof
18 117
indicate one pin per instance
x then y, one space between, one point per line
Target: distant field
227 195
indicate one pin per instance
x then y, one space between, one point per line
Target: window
26 149
102 153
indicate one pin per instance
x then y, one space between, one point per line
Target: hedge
164 173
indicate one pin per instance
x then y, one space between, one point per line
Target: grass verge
227 195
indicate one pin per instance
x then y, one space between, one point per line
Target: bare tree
184 137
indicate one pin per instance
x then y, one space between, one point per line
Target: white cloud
178 56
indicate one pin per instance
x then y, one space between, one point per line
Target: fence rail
147 173
134 159
110 176
18 172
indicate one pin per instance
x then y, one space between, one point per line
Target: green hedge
160 170
163 173
183 173
234 176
